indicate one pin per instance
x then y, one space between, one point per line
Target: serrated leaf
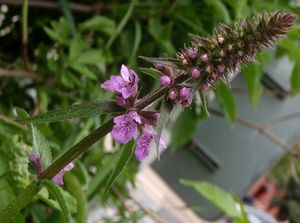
164 115
163 61
127 152
40 146
100 24
151 72
56 192
253 73
99 179
221 199
76 111
226 101
180 136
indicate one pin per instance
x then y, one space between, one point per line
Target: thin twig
20 73
282 119
12 122
263 131
81 8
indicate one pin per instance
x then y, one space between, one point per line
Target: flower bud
204 58
172 94
185 93
165 81
158 66
205 86
221 39
192 54
221 68
195 73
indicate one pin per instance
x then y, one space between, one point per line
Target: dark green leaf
57 193
137 41
151 72
165 110
76 111
65 7
217 196
183 129
127 152
90 57
163 61
226 101
220 10
100 24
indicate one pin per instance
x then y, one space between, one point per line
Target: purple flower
126 84
173 94
185 93
126 127
192 53
58 178
195 73
165 80
35 161
143 145
204 58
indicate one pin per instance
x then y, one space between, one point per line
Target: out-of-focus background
73 46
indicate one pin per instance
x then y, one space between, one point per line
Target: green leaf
253 73
179 135
83 70
226 101
65 7
90 57
99 24
295 79
221 199
220 10
57 193
99 179
204 113
165 110
74 187
76 111
76 46
163 61
127 152
40 146
137 41
151 72
121 25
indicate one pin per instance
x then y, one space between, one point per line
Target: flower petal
124 72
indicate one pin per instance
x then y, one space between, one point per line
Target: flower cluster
218 56
134 124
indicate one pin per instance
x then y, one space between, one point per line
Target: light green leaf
74 187
83 70
99 179
90 57
204 113
164 115
253 73
76 111
56 192
99 24
151 72
136 44
226 101
180 136
76 47
127 152
221 199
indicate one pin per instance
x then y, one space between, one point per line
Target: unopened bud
204 58
192 54
172 94
185 93
165 80
195 73
221 39
221 68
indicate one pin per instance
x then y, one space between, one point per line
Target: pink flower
58 178
126 84
192 53
195 73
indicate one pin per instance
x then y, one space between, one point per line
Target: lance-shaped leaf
76 111
165 110
163 61
122 163
151 72
56 192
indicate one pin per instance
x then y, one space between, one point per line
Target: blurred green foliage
71 53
